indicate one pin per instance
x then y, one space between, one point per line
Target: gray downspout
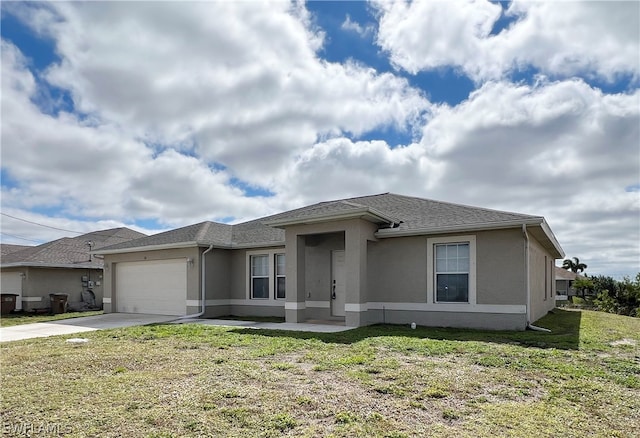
528 282
203 289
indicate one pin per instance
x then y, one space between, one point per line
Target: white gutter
203 290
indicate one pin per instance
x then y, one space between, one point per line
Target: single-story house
365 260
564 283
62 266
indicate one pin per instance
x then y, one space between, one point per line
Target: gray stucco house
365 260
61 266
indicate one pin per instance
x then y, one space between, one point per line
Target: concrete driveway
79 325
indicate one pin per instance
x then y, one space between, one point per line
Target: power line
42 225
18 237
97 233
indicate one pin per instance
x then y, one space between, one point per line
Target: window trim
270 253
252 277
276 276
431 270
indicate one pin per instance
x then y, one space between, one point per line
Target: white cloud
170 90
354 26
558 38
223 79
556 149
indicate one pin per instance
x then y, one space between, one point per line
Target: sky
156 115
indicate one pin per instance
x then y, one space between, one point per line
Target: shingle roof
408 213
7 248
202 233
563 274
69 251
415 213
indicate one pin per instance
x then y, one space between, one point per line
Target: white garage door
158 287
11 283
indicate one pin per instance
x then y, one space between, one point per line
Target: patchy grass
30 318
387 381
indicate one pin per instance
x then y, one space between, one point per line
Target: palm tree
574 265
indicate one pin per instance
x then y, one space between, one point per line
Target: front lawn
30 318
387 381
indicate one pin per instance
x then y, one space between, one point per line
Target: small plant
450 414
283 422
282 366
303 400
346 417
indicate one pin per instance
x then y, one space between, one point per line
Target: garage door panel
156 287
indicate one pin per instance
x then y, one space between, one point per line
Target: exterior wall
231 297
12 282
541 278
357 233
193 273
318 274
398 282
38 283
475 320
217 282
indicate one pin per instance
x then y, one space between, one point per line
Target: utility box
58 303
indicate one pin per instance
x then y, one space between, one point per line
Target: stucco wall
193 273
541 276
318 264
40 282
398 268
218 278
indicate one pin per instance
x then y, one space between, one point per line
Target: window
280 277
452 272
266 275
260 276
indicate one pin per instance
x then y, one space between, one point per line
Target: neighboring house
366 260
62 266
564 283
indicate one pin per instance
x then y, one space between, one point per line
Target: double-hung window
266 275
260 276
451 271
280 277
452 267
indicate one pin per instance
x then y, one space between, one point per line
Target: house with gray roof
564 283
64 265
383 258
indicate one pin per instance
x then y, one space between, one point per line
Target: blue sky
158 115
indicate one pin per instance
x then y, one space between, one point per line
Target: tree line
606 293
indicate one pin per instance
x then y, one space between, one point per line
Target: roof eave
396 232
365 213
84 265
176 245
552 239
257 245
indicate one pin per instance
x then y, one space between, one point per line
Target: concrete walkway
78 325
118 320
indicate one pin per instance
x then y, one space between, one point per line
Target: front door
338 289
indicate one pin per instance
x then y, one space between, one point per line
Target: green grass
583 379
26 318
